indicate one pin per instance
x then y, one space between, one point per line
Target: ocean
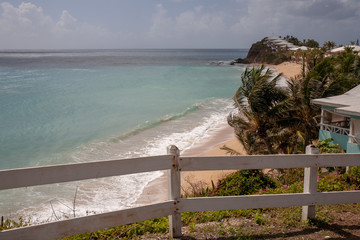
90 105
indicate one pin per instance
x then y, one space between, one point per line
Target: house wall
355 126
353 148
343 140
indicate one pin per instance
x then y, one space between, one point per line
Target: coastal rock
263 52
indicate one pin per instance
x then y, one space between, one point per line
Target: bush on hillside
244 182
353 176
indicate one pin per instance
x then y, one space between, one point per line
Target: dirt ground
344 224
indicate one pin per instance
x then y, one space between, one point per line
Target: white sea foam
185 140
87 197
110 194
58 109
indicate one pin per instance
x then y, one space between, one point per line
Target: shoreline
157 190
223 135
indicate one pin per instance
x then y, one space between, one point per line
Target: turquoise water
76 106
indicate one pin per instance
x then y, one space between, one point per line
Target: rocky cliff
263 52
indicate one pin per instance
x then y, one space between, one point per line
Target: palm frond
230 151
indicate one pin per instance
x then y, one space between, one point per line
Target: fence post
310 183
174 192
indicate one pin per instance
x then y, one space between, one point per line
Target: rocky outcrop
265 52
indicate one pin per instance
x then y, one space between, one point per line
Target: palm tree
328 45
300 113
282 120
259 101
346 74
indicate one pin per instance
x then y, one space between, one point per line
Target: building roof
301 48
283 43
347 103
341 49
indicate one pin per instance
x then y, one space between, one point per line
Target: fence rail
175 205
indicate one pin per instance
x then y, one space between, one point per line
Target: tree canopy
273 119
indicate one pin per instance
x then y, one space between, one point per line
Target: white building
340 119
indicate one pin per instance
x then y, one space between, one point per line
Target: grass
275 223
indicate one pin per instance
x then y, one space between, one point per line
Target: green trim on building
328 107
340 139
353 148
356 117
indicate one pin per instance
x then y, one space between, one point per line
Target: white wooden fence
175 205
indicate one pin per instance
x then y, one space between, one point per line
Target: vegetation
240 224
10 223
311 43
326 146
253 223
258 101
273 119
329 45
245 182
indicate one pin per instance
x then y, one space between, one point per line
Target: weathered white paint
267 161
310 183
267 201
174 192
80 171
175 205
89 223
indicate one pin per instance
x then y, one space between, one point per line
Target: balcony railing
334 129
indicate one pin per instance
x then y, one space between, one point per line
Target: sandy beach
288 69
156 191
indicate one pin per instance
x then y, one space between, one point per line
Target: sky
119 24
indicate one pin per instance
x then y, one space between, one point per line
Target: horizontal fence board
267 201
267 161
26 177
90 223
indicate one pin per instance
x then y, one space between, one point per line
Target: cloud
319 19
327 9
184 24
27 26
190 28
25 21
66 21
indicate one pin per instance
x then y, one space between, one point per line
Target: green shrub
10 223
290 176
325 146
259 220
332 183
353 177
244 182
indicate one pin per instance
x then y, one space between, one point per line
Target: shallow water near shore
78 106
